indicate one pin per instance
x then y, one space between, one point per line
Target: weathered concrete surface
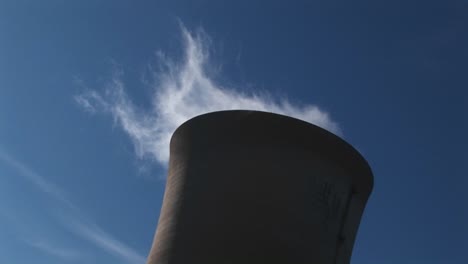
252 187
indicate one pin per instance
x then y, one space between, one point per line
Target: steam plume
182 91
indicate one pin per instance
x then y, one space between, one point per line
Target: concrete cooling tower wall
249 187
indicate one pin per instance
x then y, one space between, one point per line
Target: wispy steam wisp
182 91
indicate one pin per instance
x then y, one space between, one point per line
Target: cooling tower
249 187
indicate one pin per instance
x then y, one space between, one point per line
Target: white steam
182 91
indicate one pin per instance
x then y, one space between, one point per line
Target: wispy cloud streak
77 222
182 91
36 179
105 241
55 250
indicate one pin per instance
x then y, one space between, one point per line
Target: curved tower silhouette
249 187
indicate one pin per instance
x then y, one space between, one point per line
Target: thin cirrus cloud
181 91
40 182
105 241
55 250
72 218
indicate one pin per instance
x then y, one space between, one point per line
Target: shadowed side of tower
253 187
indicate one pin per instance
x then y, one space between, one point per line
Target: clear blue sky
76 186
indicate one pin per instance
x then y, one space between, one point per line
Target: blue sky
91 90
